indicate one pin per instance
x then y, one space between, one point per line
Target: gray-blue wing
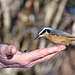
61 33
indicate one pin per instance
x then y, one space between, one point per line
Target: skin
10 57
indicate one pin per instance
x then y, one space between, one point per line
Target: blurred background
20 21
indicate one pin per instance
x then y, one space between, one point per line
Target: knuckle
21 63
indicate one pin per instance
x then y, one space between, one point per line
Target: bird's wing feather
61 33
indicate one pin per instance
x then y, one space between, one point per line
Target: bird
70 9
55 36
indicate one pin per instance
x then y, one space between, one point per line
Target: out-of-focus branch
42 43
15 7
29 4
73 29
59 13
66 22
6 14
73 32
66 67
6 18
50 9
36 6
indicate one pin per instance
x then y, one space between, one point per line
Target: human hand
10 57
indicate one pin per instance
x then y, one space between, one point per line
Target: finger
8 50
42 59
43 52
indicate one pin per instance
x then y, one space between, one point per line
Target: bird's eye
43 32
48 31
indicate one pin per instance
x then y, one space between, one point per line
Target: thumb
10 50
7 50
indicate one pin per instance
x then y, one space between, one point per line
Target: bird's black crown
44 29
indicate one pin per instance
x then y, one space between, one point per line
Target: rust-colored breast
59 39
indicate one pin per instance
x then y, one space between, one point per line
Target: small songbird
56 36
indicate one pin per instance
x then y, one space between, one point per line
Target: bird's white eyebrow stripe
44 29
41 31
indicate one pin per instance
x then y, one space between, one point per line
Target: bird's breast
59 39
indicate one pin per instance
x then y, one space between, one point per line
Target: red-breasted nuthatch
56 36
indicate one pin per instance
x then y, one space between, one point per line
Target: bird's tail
72 39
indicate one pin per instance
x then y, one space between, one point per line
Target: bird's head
44 32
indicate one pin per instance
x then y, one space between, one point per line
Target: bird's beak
36 37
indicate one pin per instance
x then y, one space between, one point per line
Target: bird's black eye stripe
43 32
48 31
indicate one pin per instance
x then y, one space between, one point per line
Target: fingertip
53 48
61 47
